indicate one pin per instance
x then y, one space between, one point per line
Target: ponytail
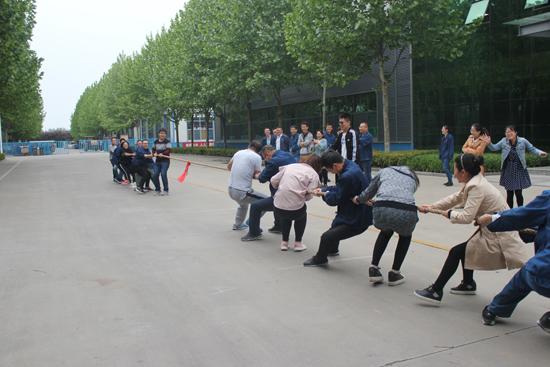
469 163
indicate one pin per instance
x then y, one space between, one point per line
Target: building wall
501 80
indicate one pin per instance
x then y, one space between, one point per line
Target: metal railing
36 148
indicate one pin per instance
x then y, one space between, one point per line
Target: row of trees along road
21 106
220 54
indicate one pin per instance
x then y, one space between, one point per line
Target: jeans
366 168
300 220
244 198
162 169
257 210
447 169
514 292
330 240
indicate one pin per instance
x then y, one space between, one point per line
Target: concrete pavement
93 274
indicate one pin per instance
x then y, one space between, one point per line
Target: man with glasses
347 141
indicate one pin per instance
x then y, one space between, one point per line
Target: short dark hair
469 163
344 116
316 163
293 126
305 123
511 127
121 140
268 149
329 124
256 146
113 138
278 127
161 130
330 157
139 141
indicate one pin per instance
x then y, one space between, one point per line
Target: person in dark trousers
114 162
293 143
365 150
394 211
446 151
125 155
347 141
483 250
513 174
111 149
282 141
275 159
351 220
161 146
142 159
535 275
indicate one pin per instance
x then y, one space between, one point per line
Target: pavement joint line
319 216
11 169
456 347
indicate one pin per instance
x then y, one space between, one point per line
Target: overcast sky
80 39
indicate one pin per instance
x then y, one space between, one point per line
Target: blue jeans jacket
522 145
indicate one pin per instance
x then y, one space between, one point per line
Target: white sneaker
133 186
284 246
299 247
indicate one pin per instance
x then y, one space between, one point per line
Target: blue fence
36 148
92 146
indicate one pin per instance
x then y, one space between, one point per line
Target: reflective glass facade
501 80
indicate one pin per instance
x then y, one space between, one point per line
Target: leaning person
351 220
142 159
535 275
294 183
394 211
484 250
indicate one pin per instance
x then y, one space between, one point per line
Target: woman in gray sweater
394 211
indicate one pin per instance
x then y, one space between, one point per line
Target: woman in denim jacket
513 174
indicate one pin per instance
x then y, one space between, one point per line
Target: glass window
520 70
541 83
477 10
501 80
533 3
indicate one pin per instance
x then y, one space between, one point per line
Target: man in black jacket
347 141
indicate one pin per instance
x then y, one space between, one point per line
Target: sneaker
395 278
299 247
125 182
116 181
429 295
165 193
375 276
314 262
132 186
157 193
544 322
139 191
334 253
284 246
274 230
449 184
147 189
251 237
488 317
464 288
242 226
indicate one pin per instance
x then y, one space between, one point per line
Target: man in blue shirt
293 143
329 135
351 220
446 152
534 276
274 160
365 150
281 140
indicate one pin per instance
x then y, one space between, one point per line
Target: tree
352 36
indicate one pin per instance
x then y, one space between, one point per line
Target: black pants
510 197
144 173
128 171
323 176
456 255
400 252
287 216
330 240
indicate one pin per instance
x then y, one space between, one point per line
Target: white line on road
11 169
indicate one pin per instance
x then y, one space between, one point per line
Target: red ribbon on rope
182 177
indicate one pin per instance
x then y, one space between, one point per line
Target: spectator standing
305 142
329 135
267 138
446 152
475 145
161 146
347 141
513 173
365 150
320 146
294 149
282 142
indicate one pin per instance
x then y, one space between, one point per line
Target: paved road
93 274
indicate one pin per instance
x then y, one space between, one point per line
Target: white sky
80 39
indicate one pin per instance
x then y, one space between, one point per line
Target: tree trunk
324 105
249 113
177 123
279 104
192 131
207 121
224 127
384 84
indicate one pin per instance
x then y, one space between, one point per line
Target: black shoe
395 278
251 237
544 322
429 295
449 184
488 317
375 276
274 230
314 262
139 191
336 253
117 181
463 288
328 180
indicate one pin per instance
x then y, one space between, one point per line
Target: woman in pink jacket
293 182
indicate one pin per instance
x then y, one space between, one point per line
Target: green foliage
2 156
217 152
